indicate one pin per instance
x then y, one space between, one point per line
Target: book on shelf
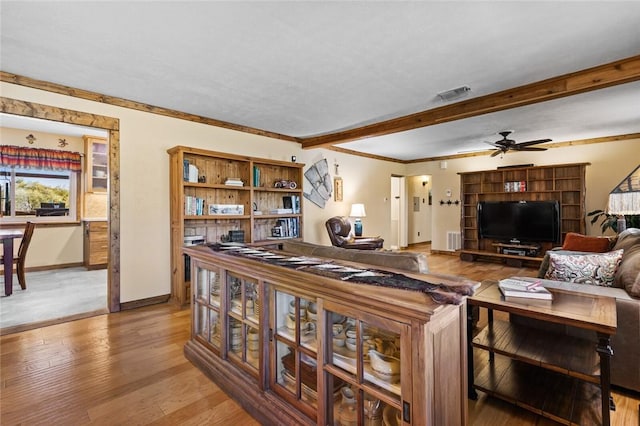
189 172
288 227
529 301
291 202
234 182
193 206
256 176
194 240
514 288
281 211
193 173
185 170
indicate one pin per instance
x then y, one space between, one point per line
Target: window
38 184
36 194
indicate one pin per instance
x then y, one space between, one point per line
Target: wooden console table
554 375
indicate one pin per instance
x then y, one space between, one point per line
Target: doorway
419 215
110 127
411 210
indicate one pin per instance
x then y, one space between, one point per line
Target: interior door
398 212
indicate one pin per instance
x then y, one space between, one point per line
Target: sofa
404 262
407 261
624 283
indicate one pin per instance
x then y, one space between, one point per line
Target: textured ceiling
310 68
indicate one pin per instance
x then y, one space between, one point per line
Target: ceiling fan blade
526 148
496 152
493 144
528 143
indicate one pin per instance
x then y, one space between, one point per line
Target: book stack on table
521 291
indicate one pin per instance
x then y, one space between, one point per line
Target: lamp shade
357 210
625 198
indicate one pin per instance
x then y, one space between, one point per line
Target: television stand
514 260
517 249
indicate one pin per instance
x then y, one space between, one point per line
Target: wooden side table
534 361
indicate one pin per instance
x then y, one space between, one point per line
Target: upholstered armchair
339 229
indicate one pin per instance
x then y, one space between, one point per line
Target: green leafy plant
610 221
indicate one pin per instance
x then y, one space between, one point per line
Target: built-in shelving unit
224 197
564 183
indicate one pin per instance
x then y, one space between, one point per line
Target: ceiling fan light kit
505 144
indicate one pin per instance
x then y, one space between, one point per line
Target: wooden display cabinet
275 339
564 183
97 161
228 197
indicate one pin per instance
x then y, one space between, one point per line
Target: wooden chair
22 254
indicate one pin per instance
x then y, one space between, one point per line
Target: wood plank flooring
129 368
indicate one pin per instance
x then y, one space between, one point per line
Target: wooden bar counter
300 340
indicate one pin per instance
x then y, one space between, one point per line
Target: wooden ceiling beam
611 74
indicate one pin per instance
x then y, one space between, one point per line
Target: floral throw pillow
595 269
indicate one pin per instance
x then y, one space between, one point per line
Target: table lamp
357 211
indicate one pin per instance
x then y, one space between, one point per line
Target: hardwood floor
129 368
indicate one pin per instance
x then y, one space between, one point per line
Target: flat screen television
523 221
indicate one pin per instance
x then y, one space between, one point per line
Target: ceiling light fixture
454 94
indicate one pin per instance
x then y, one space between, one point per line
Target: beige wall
44 140
144 174
610 163
365 181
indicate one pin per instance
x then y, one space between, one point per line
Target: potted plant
610 221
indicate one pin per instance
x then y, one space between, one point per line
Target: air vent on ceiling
454 94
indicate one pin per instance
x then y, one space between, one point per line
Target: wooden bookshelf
257 197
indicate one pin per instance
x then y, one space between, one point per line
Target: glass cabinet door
294 365
244 305
97 164
364 369
206 304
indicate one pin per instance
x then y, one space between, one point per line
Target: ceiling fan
505 144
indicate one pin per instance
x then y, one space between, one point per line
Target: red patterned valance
39 158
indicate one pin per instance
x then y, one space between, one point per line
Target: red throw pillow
579 242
